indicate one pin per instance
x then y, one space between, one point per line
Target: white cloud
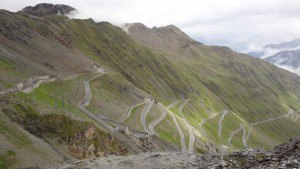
289 68
235 23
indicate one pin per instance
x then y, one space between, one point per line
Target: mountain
286 45
284 55
289 60
76 89
257 54
272 49
167 37
45 9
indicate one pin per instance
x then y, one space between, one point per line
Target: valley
81 89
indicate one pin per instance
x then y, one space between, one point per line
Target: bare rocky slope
286 155
45 9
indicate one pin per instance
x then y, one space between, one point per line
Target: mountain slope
272 49
208 90
234 79
284 55
289 60
291 44
167 37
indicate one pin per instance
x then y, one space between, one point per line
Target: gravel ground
286 155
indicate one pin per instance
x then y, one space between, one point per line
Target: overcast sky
240 24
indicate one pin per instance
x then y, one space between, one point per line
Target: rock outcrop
45 9
286 155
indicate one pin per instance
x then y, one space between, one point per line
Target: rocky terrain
286 155
45 9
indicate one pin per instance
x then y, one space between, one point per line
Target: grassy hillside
214 79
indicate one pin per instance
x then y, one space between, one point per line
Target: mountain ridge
284 55
209 90
45 9
173 36
290 44
289 60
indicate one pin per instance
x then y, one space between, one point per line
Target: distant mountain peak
165 37
291 44
45 9
136 25
285 55
289 60
170 27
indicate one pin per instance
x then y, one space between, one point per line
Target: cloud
289 68
267 51
235 23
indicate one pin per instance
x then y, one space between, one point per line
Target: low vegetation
7 159
83 138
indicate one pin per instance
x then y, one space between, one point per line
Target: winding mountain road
246 136
242 127
129 110
150 102
88 93
86 100
181 135
210 117
173 104
225 112
191 132
182 106
145 113
158 120
36 84
293 114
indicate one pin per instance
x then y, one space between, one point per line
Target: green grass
10 73
154 113
16 137
55 97
65 129
6 68
26 111
168 132
5 64
7 159
134 120
208 75
213 78
112 95
279 130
